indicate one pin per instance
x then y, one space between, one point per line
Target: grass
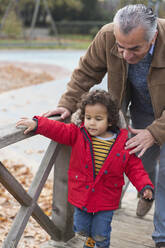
63 42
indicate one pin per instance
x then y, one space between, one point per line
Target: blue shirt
137 75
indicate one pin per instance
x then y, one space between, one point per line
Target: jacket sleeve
58 131
157 129
137 174
92 68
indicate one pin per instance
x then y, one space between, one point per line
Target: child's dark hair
103 97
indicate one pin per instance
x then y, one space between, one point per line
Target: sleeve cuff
148 187
36 120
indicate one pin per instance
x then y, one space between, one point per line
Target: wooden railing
60 226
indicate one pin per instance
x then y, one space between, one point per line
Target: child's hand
147 194
29 123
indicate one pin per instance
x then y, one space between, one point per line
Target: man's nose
127 54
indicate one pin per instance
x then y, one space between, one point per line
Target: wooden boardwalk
128 231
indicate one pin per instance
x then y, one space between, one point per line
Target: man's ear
155 36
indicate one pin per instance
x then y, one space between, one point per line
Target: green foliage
67 42
72 4
12 26
90 10
94 31
126 2
3 5
150 3
78 27
66 11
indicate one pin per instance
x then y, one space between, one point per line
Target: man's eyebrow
131 48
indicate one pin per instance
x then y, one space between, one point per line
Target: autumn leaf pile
33 235
14 77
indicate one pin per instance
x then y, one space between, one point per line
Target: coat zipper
91 151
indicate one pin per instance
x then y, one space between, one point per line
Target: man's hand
142 140
58 111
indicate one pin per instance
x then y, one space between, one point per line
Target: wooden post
29 200
62 211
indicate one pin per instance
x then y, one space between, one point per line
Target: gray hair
133 16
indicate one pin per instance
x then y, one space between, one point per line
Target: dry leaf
33 235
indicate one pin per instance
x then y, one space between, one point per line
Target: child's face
96 120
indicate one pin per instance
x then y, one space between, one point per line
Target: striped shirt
101 149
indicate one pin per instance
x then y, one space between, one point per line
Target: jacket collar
114 51
159 49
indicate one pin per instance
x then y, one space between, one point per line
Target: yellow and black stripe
101 150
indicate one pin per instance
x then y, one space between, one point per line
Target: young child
97 164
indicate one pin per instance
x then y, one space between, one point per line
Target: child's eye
87 117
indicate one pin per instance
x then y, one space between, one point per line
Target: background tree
91 9
125 2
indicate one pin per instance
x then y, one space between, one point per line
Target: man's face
133 47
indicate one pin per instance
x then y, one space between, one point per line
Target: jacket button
87 187
93 190
118 154
115 184
105 172
76 176
86 166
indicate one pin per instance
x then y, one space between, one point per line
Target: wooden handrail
11 134
28 200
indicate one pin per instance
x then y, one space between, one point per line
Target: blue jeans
150 159
159 215
95 225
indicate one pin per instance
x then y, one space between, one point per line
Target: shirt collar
151 51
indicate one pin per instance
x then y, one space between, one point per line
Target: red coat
84 190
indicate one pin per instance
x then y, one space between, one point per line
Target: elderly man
132 51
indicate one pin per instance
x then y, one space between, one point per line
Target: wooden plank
44 169
62 211
13 186
18 192
46 223
130 231
10 134
34 191
127 229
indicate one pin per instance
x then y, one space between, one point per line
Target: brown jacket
102 57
